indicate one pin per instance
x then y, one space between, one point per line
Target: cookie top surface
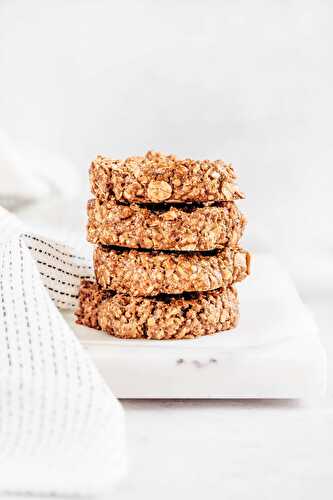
159 178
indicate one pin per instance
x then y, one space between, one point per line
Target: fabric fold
61 428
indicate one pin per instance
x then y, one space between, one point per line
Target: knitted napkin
61 428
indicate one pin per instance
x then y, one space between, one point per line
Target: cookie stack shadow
167 257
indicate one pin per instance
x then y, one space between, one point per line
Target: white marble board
275 352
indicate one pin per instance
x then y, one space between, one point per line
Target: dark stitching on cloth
62 271
55 279
51 331
26 308
4 312
62 293
17 331
57 258
53 247
55 299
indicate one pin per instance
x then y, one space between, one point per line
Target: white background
247 81
250 82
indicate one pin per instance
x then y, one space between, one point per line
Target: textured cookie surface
149 273
164 228
156 178
163 317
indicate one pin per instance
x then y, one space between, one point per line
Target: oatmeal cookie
161 317
149 273
157 178
181 227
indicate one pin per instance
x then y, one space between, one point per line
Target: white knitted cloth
61 428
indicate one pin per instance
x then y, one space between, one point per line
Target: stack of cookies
167 254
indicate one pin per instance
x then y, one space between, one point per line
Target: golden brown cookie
162 317
181 227
158 178
149 273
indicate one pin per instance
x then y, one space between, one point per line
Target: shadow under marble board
275 351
